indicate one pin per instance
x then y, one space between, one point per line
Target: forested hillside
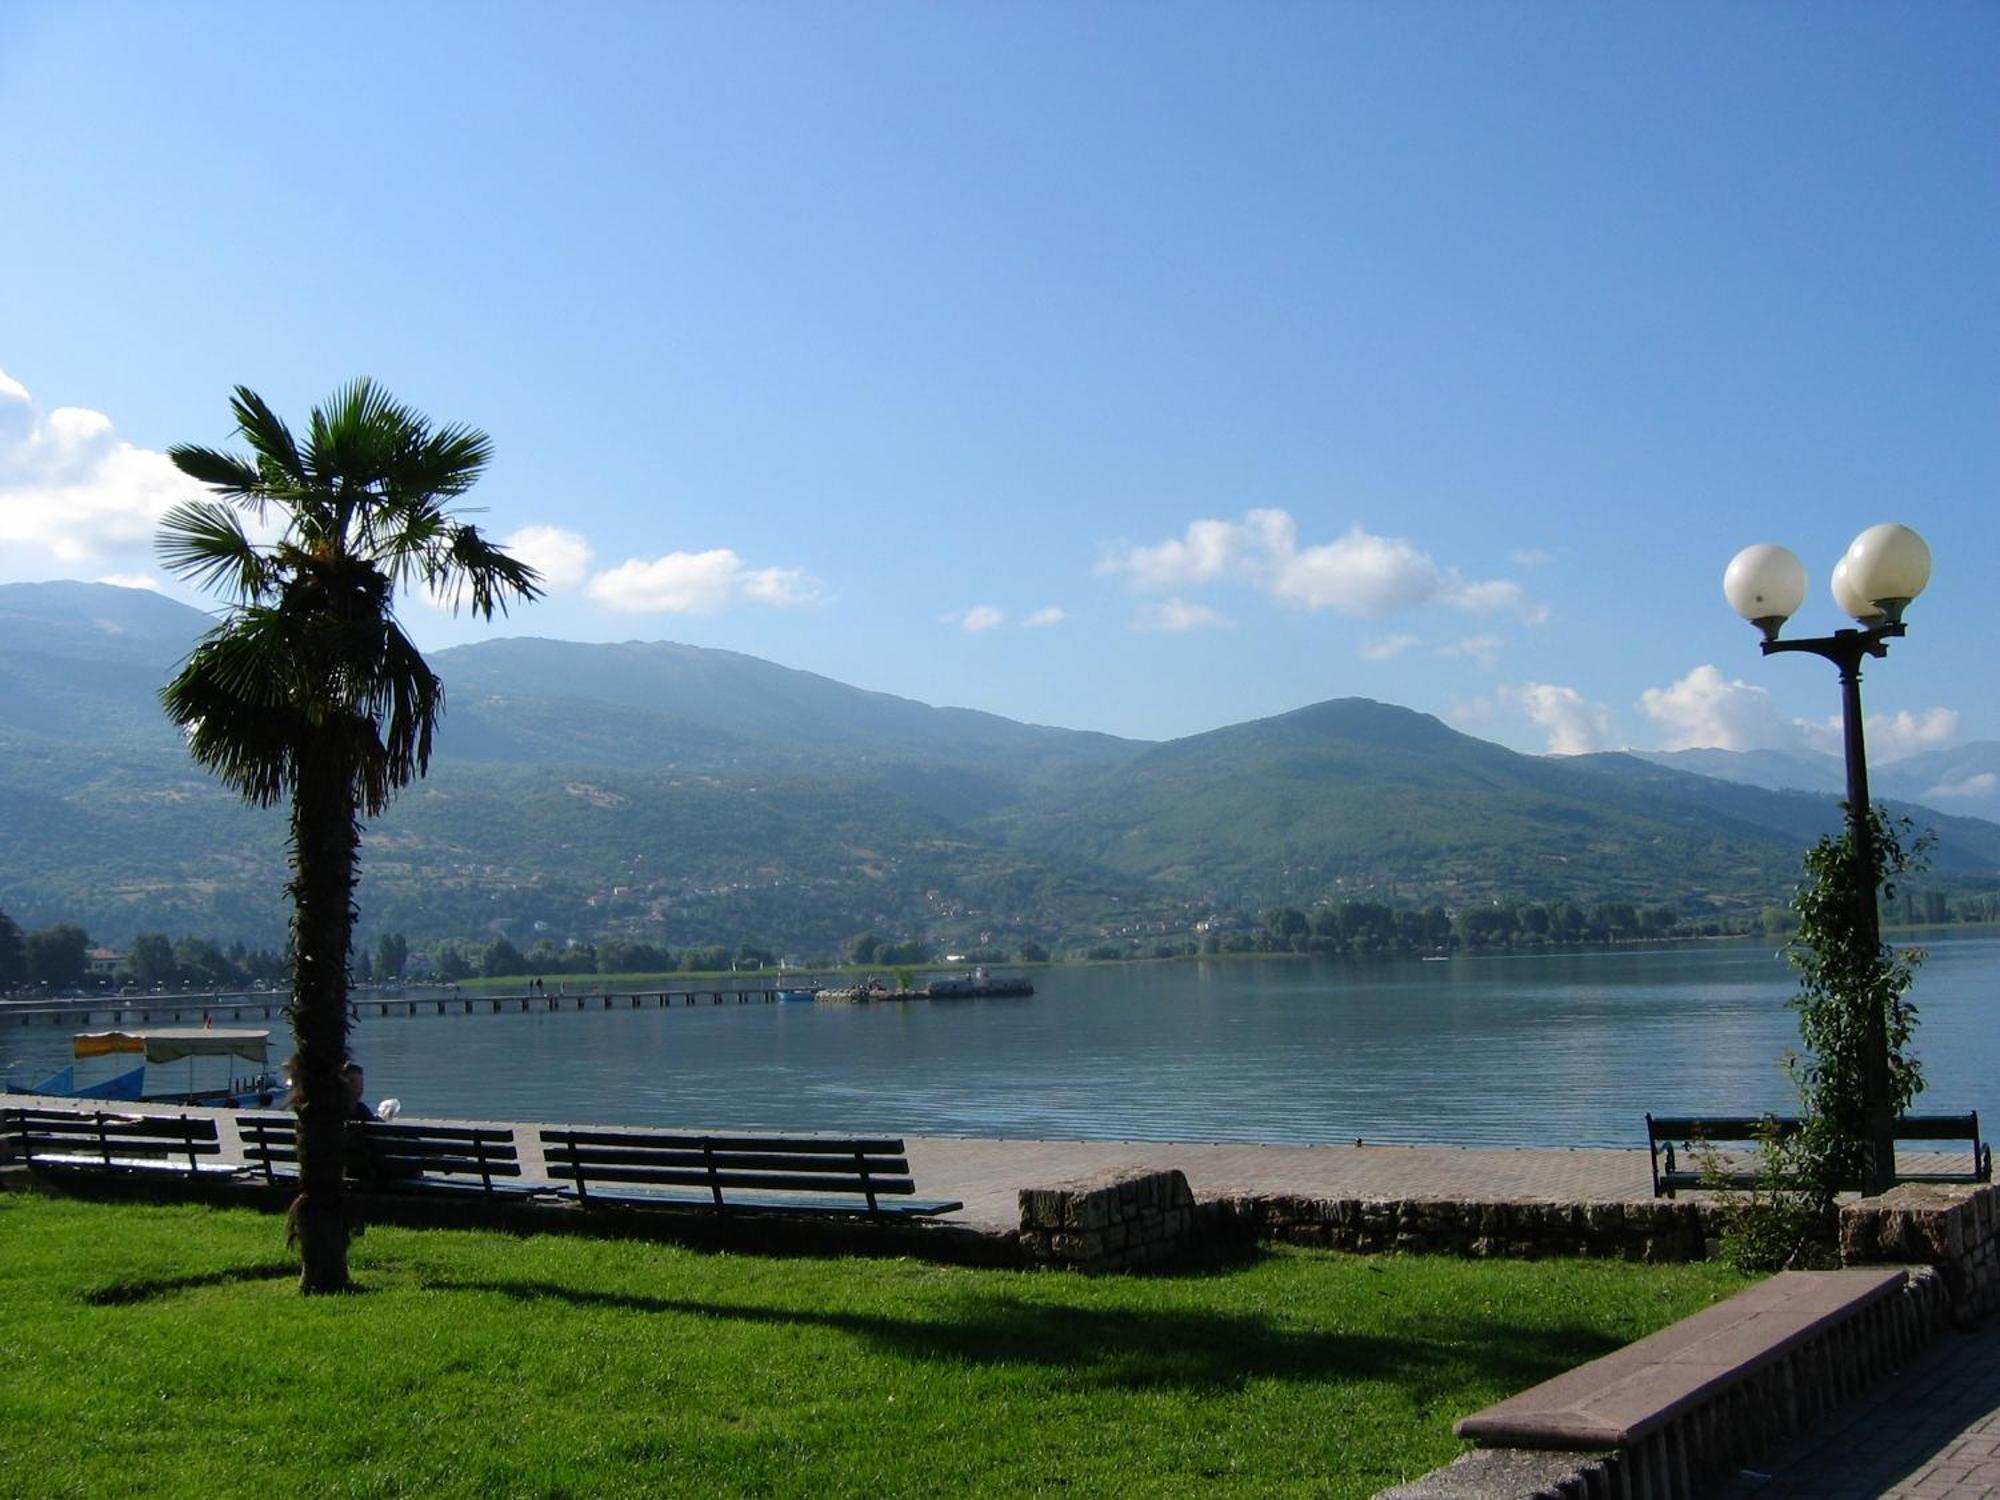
683 795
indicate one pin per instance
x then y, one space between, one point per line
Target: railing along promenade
220 1006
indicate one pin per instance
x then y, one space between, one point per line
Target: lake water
1548 1050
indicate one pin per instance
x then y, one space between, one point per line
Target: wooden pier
141 1010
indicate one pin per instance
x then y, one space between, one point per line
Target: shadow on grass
121 1293
1139 1348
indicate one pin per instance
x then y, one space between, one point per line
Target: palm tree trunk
325 843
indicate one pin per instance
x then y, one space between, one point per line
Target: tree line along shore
63 957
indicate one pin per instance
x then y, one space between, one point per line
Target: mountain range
1963 779
693 795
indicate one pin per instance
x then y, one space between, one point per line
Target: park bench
395 1155
723 1174
102 1141
1667 1135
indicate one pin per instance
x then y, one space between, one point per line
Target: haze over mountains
694 795
1962 779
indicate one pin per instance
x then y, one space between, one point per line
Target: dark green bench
1693 1133
728 1174
103 1141
395 1155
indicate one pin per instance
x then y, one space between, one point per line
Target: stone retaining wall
1744 1413
1521 1230
1955 1229
1117 1221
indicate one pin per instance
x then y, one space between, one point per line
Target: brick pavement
987 1174
1931 1432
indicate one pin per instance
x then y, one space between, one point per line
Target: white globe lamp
1765 584
1888 566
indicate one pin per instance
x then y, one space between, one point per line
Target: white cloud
1389 647
1889 735
1976 787
1051 614
782 588
1211 550
976 618
72 492
1705 710
699 583
1574 724
132 581
1529 557
561 557
1482 649
1497 596
1177 616
1359 574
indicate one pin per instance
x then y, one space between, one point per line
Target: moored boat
160 1047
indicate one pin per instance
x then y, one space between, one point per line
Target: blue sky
1142 368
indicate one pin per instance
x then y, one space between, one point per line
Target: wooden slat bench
1691 1133
396 1155
104 1141
754 1174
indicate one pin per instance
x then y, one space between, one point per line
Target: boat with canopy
161 1048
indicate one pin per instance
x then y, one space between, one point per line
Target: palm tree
309 690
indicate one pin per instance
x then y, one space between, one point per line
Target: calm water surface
1550 1050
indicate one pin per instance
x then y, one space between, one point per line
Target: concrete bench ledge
1624 1397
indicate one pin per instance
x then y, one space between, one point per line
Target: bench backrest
1665 1130
389 1149
72 1136
761 1164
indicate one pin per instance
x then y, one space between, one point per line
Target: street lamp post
1885 568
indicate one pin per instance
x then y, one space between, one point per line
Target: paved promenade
1930 1433
987 1174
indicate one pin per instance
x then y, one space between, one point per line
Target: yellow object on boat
172 1045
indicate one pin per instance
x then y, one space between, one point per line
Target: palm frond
355 436
312 656
467 563
268 435
204 543
256 657
237 478
232 712
410 535
405 700
443 464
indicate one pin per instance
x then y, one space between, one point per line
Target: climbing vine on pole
1792 1218
1845 973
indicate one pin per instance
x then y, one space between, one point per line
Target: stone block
1073 1249
1043 1208
1604 1218
1090 1211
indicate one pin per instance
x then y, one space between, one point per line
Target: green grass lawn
163 1350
